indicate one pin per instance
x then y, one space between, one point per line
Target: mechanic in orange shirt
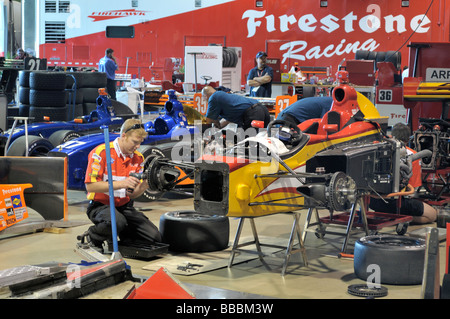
132 226
421 212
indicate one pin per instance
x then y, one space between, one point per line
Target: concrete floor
326 276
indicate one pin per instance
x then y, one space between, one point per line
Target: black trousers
111 88
256 112
132 225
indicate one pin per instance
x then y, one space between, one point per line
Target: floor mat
195 263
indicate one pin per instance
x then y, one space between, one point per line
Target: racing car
44 136
164 132
321 162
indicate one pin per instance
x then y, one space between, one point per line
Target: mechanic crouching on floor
421 212
224 108
132 225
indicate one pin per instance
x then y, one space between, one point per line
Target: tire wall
54 95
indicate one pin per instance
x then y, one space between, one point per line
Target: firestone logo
114 14
303 50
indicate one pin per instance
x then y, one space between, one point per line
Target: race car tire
37 146
188 231
400 259
51 81
63 136
150 195
47 98
24 110
54 113
79 76
94 80
78 97
24 78
90 95
24 95
120 108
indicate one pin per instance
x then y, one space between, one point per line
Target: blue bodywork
104 114
170 124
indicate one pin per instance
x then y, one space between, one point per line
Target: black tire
24 95
120 108
37 146
47 98
60 137
51 81
94 80
54 113
24 78
78 96
187 231
89 107
24 110
90 95
400 259
73 114
361 55
79 76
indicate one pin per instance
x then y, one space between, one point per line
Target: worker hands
130 183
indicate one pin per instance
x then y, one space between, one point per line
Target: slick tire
48 81
188 231
399 260
47 98
63 136
54 113
37 146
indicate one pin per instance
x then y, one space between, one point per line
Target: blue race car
44 136
164 133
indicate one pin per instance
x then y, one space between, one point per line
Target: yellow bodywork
246 186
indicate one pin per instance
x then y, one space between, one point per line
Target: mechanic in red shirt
132 226
421 212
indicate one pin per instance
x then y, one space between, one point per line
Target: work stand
289 249
353 219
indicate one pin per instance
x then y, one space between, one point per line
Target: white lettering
305 23
330 23
252 23
295 47
390 19
418 26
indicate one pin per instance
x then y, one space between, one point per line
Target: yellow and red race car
322 162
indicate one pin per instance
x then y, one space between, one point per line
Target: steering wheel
206 78
295 138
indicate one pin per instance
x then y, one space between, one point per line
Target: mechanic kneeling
132 225
421 212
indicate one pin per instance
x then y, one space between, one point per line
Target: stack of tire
74 95
24 93
388 56
47 96
91 82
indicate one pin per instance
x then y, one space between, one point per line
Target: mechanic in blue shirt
260 77
224 108
305 109
109 66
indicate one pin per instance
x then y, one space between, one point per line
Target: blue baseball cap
261 54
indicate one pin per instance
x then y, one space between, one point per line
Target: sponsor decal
16 201
115 14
